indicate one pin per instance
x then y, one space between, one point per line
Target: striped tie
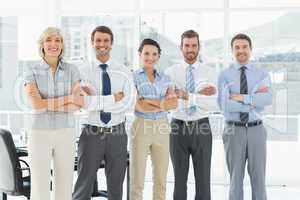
244 116
190 87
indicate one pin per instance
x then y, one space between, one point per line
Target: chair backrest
10 172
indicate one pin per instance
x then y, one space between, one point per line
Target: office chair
12 181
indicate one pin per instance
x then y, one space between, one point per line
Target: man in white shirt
191 134
110 93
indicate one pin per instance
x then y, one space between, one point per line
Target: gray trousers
244 144
191 140
95 146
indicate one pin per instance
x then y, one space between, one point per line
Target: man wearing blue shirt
244 91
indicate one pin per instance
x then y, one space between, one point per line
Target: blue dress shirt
148 90
254 102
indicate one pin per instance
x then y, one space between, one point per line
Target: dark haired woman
150 130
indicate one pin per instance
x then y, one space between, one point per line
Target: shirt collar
195 65
97 63
156 72
237 66
45 65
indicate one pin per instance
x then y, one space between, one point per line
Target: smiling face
149 56
102 45
190 49
241 50
52 46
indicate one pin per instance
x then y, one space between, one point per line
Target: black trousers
95 146
191 139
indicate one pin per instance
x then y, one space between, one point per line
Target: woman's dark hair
149 41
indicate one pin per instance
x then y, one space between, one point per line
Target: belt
191 123
103 130
248 124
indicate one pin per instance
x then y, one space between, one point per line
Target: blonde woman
150 130
52 87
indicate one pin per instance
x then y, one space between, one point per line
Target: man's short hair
189 34
241 36
102 29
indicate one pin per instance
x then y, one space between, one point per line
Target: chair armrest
22 152
25 168
26 164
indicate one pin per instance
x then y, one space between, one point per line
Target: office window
170 4
160 26
87 7
272 24
1 72
77 30
275 47
8 59
264 3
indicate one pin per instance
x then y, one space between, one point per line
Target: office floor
219 192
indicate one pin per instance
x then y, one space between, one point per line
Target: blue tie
105 117
190 86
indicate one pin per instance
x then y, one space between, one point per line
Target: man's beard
191 58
